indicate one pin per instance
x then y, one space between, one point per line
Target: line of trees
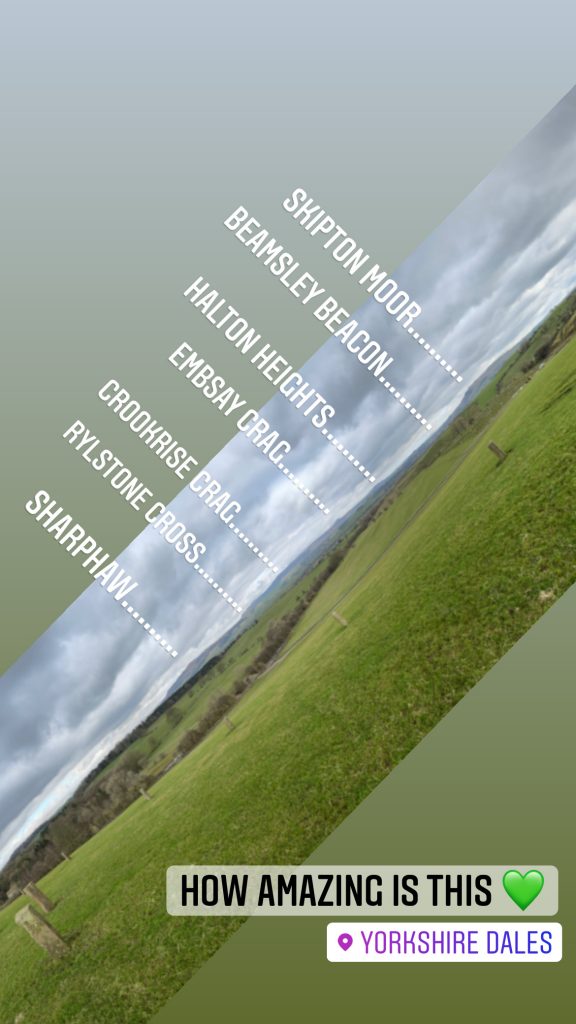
95 806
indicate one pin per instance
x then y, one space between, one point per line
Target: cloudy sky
484 279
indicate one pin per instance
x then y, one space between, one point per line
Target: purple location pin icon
345 941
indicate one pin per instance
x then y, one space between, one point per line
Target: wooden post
64 855
39 897
144 794
497 451
43 933
339 618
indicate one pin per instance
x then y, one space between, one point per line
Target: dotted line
152 632
434 354
302 487
404 401
348 455
253 547
219 590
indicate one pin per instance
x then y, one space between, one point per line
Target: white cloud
484 278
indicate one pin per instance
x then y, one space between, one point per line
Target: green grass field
159 743
462 581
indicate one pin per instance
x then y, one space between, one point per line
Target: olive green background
493 782
131 131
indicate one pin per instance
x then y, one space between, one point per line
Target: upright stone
43 933
497 451
39 897
339 618
145 794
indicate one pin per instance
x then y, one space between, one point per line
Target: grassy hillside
465 577
160 741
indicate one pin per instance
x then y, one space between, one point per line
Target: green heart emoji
523 889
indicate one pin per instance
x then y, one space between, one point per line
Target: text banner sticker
497 891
